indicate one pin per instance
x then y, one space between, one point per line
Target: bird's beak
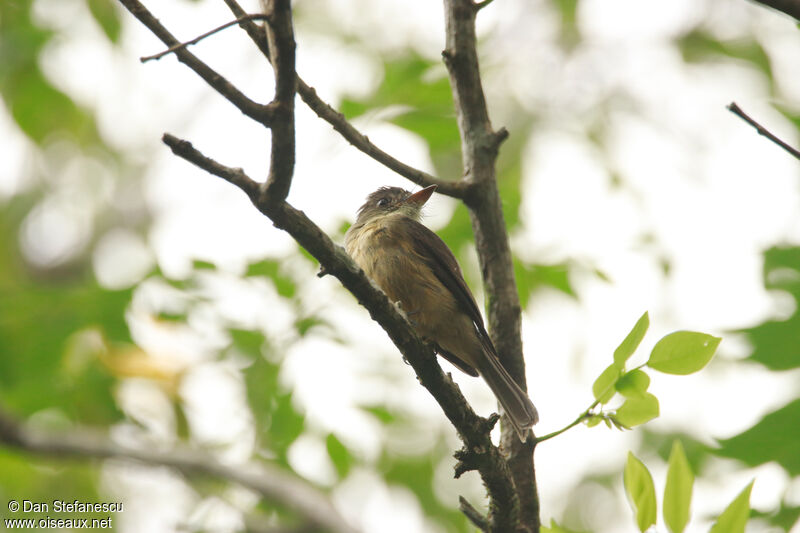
420 197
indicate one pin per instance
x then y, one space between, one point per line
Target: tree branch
272 483
736 110
258 112
199 38
475 516
479 148
330 115
790 7
479 453
327 113
280 36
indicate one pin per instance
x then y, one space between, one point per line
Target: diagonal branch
479 453
258 112
199 38
479 148
272 483
336 119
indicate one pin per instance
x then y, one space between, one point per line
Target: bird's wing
443 263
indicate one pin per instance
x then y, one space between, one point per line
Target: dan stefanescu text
75 506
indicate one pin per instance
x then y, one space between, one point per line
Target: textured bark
479 148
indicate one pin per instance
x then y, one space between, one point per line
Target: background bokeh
143 297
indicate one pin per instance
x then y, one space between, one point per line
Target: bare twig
360 141
272 483
790 7
479 148
736 110
258 112
235 176
199 38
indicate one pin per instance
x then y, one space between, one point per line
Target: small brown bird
417 271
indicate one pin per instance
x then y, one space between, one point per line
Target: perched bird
418 272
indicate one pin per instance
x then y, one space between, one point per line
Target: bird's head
389 200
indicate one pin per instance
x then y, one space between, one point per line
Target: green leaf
105 13
683 352
306 324
199 264
774 438
286 425
734 518
594 420
632 341
340 456
271 269
637 410
641 492
381 412
678 490
533 276
603 387
776 343
633 383
249 342
698 46
570 34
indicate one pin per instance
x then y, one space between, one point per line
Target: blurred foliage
65 345
37 317
58 327
570 34
278 424
25 88
699 45
417 473
776 343
775 438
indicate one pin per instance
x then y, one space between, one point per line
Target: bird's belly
405 278
409 281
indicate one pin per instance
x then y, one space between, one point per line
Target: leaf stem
583 416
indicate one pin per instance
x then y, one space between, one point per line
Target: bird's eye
383 202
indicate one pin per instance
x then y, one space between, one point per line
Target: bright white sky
711 191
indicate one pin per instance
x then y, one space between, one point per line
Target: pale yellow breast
407 279
404 276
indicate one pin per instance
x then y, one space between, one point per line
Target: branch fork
507 473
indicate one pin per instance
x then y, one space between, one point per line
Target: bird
418 272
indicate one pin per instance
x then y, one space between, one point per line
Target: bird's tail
519 408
